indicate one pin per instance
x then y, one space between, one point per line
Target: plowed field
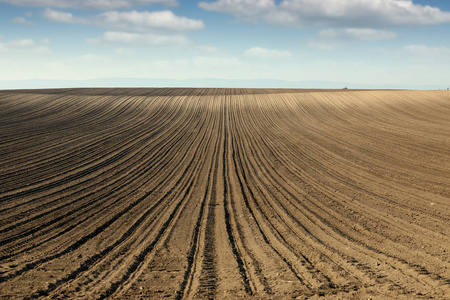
224 193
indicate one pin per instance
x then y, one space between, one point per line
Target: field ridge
224 193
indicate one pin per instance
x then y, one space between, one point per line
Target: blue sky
362 41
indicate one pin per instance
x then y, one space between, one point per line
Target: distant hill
202 82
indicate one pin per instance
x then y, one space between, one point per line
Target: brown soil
224 193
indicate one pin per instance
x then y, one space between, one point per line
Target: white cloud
142 21
263 53
141 38
322 45
343 13
63 17
23 46
363 34
242 9
20 20
131 20
332 39
88 4
427 51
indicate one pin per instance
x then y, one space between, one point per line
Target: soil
224 194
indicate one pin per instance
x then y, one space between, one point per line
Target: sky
397 42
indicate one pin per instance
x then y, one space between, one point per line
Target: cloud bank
141 38
363 34
343 13
89 4
263 53
130 20
23 46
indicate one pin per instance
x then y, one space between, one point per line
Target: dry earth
224 193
